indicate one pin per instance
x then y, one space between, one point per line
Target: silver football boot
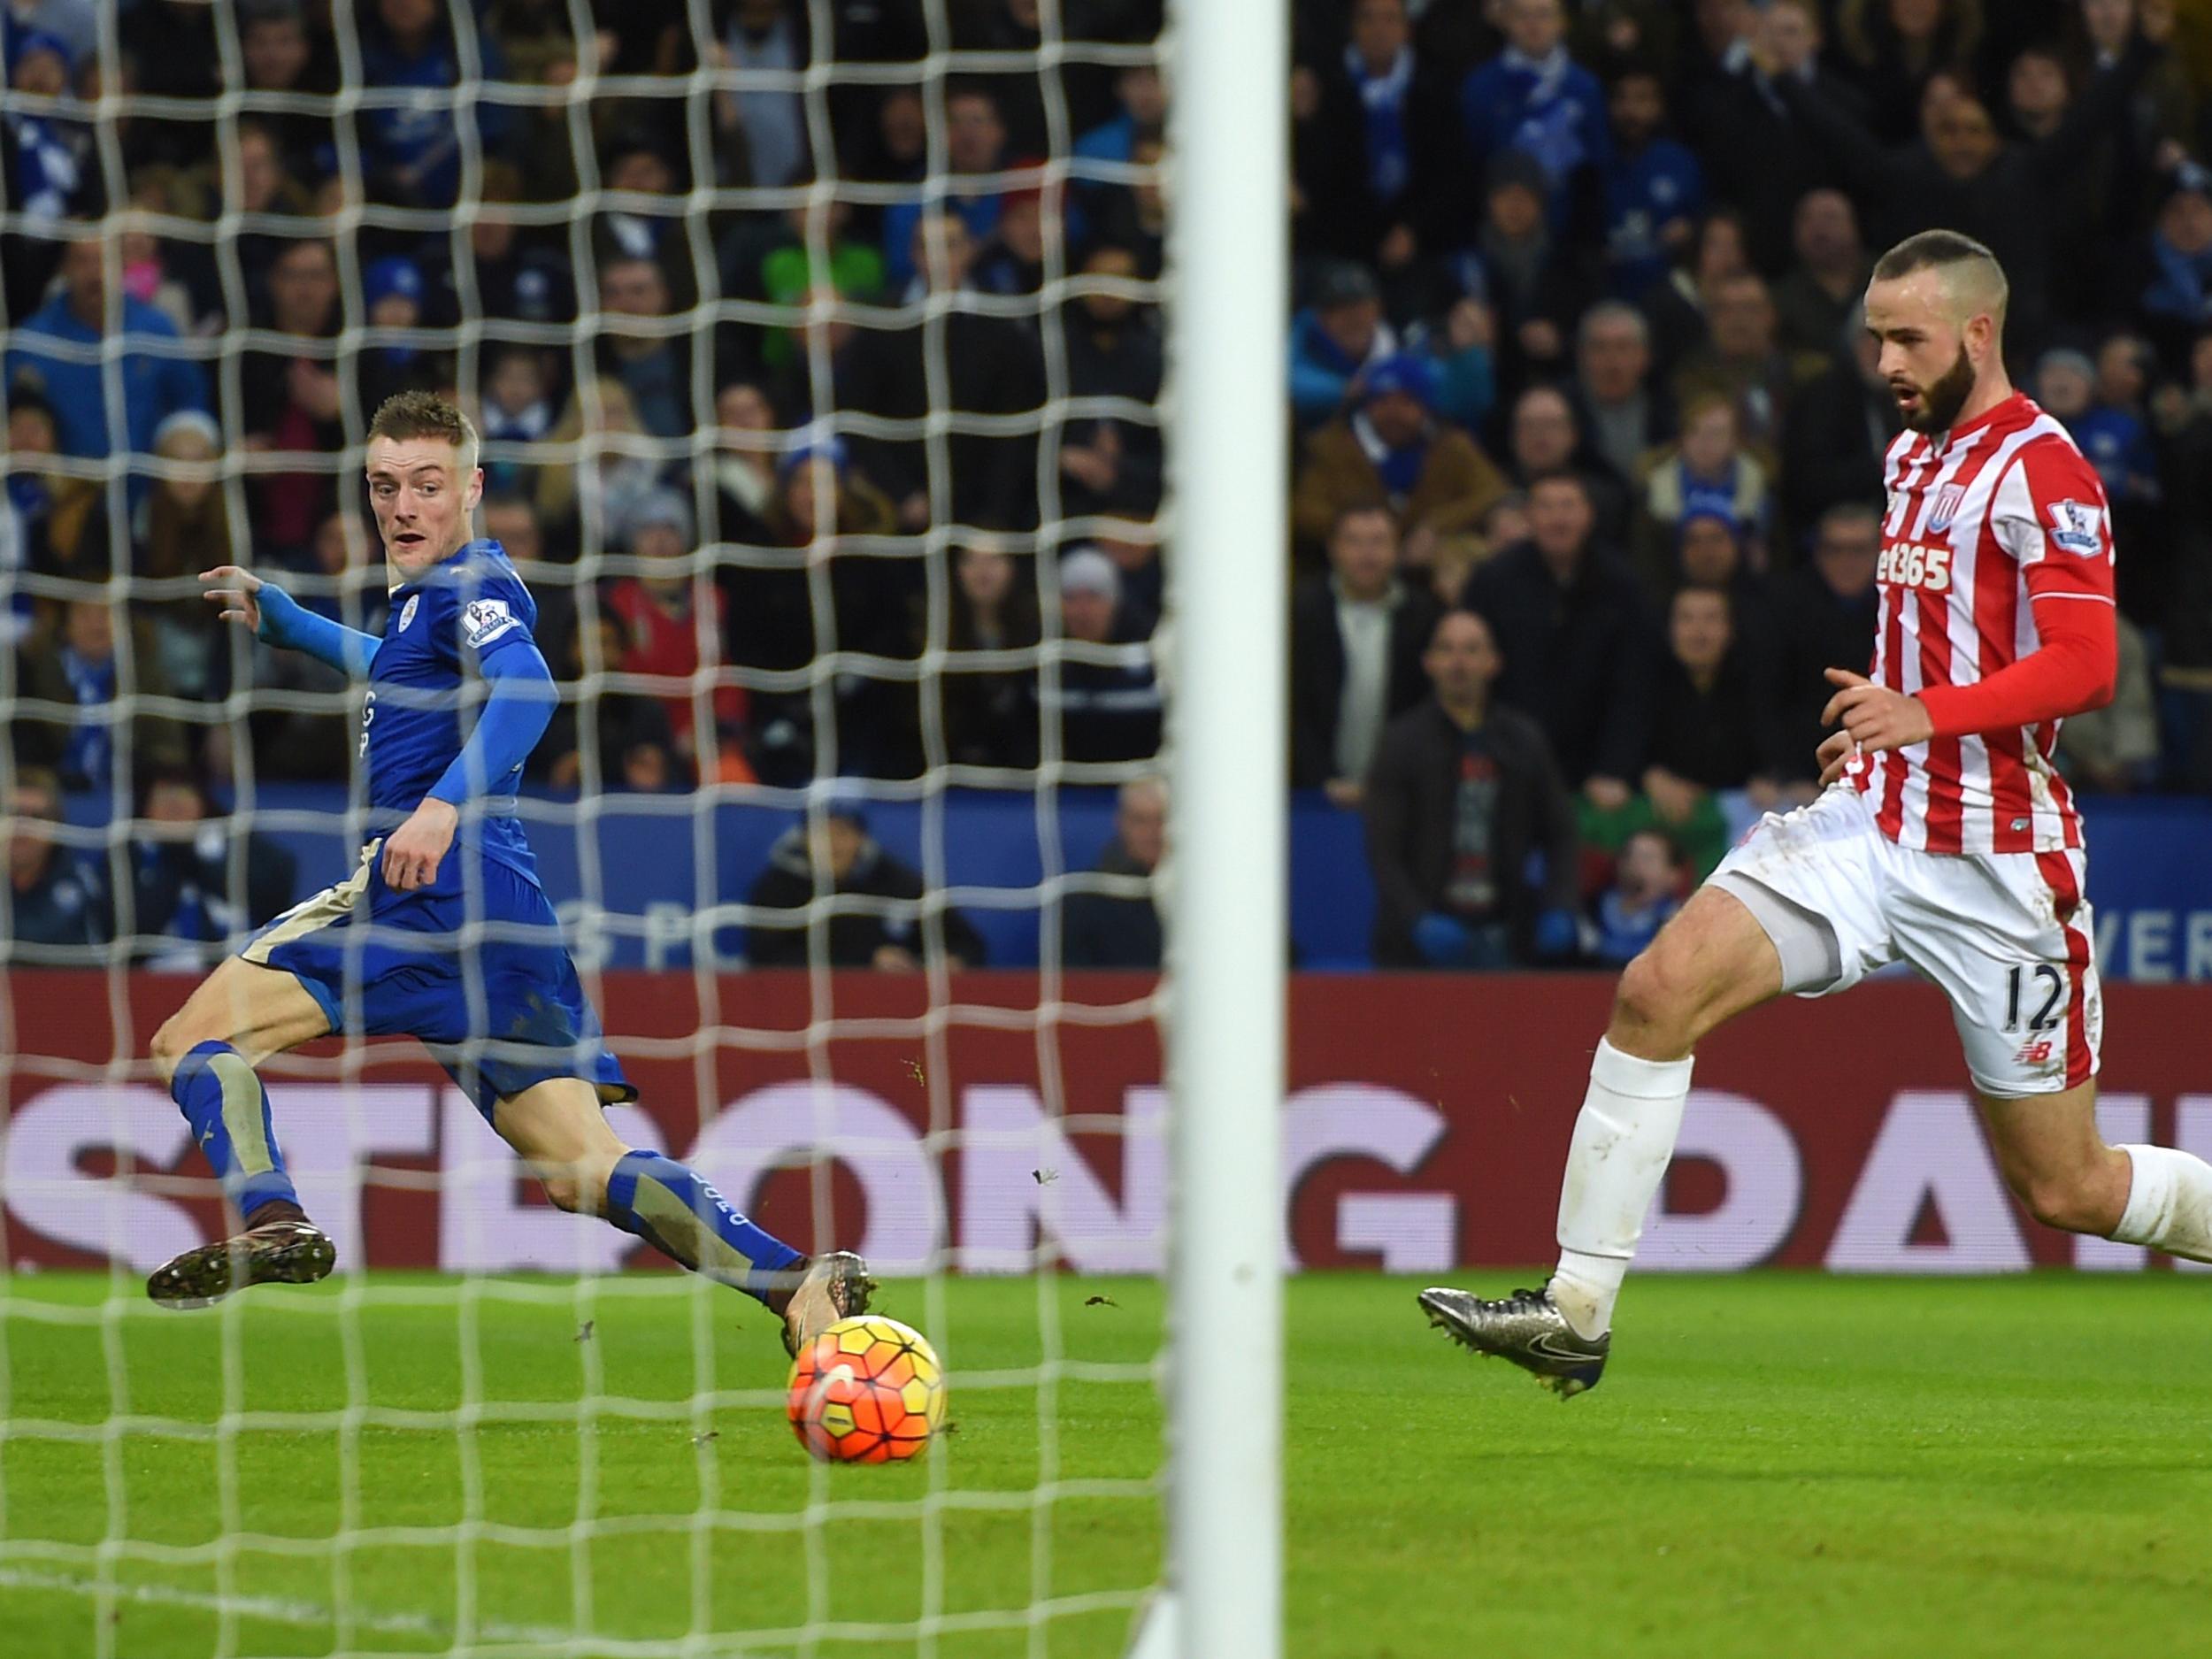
830 1288
1527 1328
279 1252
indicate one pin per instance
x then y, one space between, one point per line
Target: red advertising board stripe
1427 1120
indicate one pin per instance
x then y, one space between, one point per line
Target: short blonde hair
426 415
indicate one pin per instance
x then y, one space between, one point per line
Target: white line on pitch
274 1608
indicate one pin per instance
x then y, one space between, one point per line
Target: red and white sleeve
2049 513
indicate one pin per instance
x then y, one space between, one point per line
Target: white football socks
1623 1141
2169 1203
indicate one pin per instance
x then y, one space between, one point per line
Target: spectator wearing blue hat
1336 338
392 291
76 23
879 921
819 469
1392 448
51 169
1707 471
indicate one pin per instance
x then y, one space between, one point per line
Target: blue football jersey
442 625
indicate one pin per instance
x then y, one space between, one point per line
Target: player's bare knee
580 1188
175 1039
573 1190
2070 1202
1654 1007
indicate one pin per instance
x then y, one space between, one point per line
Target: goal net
817 352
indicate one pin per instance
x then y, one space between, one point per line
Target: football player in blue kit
442 933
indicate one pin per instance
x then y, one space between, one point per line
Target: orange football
867 1390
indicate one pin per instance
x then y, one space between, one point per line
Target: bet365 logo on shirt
1911 565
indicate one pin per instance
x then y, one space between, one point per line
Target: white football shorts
2007 936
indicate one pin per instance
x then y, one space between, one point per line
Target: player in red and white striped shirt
1997 618
1944 837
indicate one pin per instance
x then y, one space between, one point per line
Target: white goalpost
1229 945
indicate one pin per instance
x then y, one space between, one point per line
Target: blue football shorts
481 978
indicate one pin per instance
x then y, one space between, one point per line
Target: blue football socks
677 1210
222 1098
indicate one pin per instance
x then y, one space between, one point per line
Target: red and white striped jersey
1984 523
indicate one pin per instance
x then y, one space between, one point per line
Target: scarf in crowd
1400 469
1706 495
1550 125
46 173
1389 153
90 741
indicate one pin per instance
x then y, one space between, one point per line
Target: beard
1941 400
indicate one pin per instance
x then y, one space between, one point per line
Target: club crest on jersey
484 620
1947 507
2077 527
407 612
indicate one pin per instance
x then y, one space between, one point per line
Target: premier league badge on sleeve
485 620
2076 527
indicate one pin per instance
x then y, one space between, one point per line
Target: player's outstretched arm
521 707
275 617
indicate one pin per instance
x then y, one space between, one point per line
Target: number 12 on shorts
2052 986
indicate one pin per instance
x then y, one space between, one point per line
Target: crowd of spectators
660 385
1586 428
1590 429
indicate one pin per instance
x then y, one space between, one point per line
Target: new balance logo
2037 1052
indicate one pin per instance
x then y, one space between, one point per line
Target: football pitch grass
1776 1463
